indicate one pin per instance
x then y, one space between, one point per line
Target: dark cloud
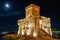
5 32
9 14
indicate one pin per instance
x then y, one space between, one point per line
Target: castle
34 22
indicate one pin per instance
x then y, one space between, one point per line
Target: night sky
15 9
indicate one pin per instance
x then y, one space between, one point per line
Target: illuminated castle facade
33 22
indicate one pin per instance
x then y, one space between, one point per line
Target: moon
7 5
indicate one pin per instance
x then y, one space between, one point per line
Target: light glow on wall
28 32
35 34
22 32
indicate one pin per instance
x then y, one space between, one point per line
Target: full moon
7 5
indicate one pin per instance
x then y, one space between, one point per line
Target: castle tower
33 11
